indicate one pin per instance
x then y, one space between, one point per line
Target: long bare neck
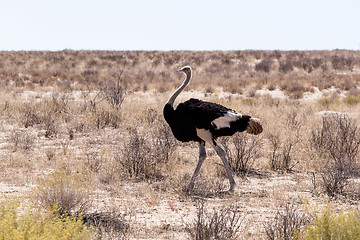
179 90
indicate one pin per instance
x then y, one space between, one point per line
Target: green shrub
248 101
331 225
326 102
352 100
37 225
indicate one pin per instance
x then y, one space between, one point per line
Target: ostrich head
186 70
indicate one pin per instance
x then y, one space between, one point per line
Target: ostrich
203 122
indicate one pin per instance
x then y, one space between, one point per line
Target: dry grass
143 70
71 110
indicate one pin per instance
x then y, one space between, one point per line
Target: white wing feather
224 121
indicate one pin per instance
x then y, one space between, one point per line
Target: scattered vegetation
287 223
281 155
336 141
241 151
72 122
144 156
224 223
22 140
144 70
352 100
108 225
60 190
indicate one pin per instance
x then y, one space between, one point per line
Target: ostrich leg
222 155
206 136
202 156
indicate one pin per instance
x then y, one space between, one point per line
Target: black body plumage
196 114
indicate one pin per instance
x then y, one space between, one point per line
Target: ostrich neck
179 90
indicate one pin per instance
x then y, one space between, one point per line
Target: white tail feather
254 126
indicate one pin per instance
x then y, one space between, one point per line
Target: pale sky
179 25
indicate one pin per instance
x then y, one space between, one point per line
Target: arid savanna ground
84 130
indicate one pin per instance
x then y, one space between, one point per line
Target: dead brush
22 140
93 161
50 125
284 142
287 223
163 143
47 113
114 92
30 115
265 65
281 153
242 151
336 142
108 225
105 117
132 157
146 155
223 223
60 190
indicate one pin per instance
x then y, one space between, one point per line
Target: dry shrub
93 161
284 141
265 65
114 92
108 225
287 223
133 157
223 223
333 181
310 64
163 143
104 117
101 114
242 151
294 88
50 125
63 191
30 115
286 66
48 112
281 155
180 185
145 155
58 103
336 142
342 62
22 140
105 113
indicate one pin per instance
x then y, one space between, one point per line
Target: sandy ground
163 217
156 214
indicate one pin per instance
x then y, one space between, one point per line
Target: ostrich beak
180 70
